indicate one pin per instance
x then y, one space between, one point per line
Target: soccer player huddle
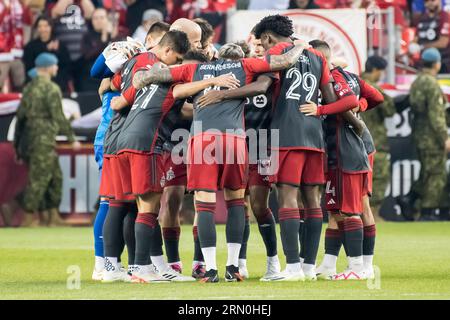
188 118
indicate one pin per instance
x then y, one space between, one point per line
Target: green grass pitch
413 259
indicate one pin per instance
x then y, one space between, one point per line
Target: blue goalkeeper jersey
106 117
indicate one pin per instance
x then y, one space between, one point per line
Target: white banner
344 29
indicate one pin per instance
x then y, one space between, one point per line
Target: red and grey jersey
228 114
299 84
141 131
345 149
122 80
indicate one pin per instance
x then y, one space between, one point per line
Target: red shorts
255 178
368 190
119 193
217 162
106 185
140 173
174 174
344 191
301 167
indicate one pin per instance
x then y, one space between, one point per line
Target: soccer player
258 110
205 176
348 167
192 30
155 34
301 149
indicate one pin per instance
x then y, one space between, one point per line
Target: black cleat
232 274
210 276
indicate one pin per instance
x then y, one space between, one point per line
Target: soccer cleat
350 274
273 269
115 275
172 275
147 274
210 276
232 274
97 275
176 267
132 268
310 275
198 271
288 276
324 272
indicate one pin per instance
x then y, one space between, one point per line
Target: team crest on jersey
170 174
304 59
260 101
337 87
162 182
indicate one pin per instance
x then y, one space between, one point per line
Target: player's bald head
192 29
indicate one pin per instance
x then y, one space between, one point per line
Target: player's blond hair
231 51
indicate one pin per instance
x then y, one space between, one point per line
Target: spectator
303 4
45 42
136 9
208 48
148 19
69 28
433 31
14 19
93 43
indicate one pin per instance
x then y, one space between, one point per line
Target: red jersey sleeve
341 87
254 66
129 94
445 24
117 80
183 73
371 94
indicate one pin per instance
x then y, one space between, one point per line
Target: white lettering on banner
334 26
85 184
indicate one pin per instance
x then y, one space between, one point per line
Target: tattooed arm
158 73
288 59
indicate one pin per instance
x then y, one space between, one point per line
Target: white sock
243 263
293 267
111 264
308 268
329 261
356 263
99 263
233 254
159 263
368 261
274 262
210 258
195 263
302 260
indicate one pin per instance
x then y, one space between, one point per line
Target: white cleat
116 275
288 276
147 274
310 275
350 274
171 275
97 275
324 272
273 269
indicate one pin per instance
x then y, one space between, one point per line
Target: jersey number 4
307 80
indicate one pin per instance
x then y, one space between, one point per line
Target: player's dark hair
158 27
177 40
277 24
245 47
195 56
319 44
207 30
375 62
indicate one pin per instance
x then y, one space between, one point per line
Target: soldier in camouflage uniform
39 119
429 131
374 119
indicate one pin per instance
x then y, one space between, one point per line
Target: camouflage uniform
374 120
429 131
39 119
